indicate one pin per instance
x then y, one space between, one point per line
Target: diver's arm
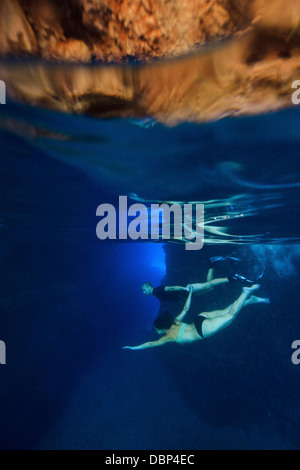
151 344
186 306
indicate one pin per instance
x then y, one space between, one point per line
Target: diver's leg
218 282
177 289
207 286
200 287
255 300
215 313
216 323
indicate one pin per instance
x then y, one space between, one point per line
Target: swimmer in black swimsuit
174 293
205 325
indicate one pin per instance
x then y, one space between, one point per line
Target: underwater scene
149 225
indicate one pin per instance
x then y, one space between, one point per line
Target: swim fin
243 280
217 259
260 276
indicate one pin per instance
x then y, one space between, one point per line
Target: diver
174 293
205 325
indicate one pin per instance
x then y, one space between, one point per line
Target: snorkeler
206 324
173 293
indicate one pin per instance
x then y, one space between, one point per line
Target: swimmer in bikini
206 324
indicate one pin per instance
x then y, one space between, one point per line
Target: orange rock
114 29
251 72
16 34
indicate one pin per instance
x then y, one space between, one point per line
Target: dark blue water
69 302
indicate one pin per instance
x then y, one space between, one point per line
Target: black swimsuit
199 325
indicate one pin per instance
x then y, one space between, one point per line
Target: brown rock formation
113 29
251 72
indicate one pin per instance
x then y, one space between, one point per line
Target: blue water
70 302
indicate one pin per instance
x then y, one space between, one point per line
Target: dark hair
164 321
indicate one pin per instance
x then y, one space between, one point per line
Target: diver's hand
129 347
190 287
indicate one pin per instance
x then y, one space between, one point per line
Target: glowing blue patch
157 258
